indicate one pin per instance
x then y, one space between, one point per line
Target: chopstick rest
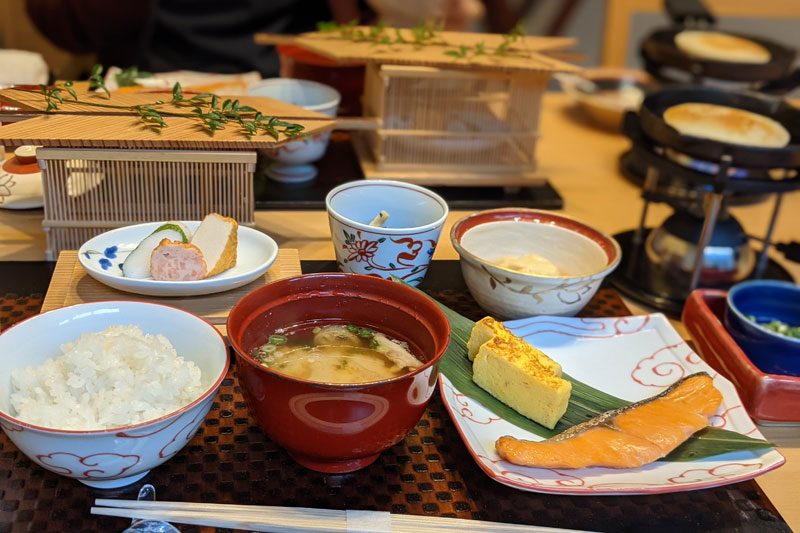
368 521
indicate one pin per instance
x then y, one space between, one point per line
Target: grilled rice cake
727 124
718 46
523 378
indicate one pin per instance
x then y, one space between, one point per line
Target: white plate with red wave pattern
632 358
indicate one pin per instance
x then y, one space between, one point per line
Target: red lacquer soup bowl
333 427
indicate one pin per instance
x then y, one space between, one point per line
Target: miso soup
336 354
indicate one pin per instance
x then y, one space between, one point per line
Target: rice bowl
107 379
107 458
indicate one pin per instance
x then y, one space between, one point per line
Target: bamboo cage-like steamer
91 191
438 119
103 170
455 123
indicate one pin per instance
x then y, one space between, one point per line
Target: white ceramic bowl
307 94
113 457
583 254
21 180
403 247
607 93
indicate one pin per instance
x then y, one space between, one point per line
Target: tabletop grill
667 63
701 244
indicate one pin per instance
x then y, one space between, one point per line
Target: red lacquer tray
769 398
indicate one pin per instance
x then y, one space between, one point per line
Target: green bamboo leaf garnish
585 403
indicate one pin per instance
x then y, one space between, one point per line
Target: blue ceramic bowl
766 300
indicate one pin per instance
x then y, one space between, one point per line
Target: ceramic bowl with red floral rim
119 456
524 262
402 245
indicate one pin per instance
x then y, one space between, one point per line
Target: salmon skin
628 437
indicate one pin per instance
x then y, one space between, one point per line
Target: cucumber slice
137 264
180 227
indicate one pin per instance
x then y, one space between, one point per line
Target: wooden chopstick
294 519
276 524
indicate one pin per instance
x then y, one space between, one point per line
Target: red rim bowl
332 427
609 246
584 255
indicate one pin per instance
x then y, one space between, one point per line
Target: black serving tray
340 165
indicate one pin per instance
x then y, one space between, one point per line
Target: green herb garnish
461 52
264 354
96 80
778 327
424 33
204 107
128 76
510 38
277 340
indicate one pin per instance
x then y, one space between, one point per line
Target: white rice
112 378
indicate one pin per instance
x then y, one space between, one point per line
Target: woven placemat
430 472
15 307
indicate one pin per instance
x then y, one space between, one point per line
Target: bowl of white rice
104 392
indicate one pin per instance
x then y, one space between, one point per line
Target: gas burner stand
650 135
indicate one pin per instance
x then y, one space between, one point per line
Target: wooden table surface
581 163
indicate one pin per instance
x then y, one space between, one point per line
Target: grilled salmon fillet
632 436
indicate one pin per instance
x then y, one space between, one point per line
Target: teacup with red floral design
403 246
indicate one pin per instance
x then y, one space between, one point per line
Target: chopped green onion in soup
277 339
778 327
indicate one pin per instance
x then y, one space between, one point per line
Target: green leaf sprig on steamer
207 108
425 33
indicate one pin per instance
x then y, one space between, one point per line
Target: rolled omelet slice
517 374
487 328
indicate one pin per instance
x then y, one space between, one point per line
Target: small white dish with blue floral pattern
102 257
